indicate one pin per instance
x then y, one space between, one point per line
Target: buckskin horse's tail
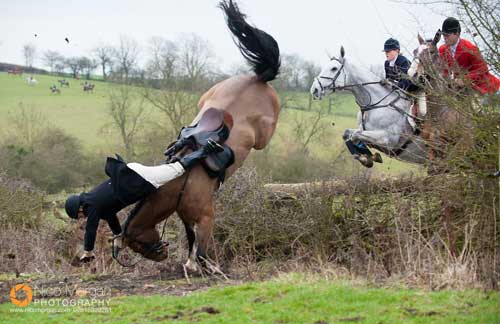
257 47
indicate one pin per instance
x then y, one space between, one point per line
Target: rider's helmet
391 44
451 25
72 206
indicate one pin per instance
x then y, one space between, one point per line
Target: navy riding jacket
124 187
399 73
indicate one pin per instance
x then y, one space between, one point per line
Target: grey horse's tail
259 48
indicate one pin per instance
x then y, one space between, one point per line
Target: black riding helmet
391 44
72 206
451 25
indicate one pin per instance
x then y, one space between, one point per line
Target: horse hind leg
198 240
191 237
204 233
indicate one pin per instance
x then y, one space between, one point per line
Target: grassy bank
290 299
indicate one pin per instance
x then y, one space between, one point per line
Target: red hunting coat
469 62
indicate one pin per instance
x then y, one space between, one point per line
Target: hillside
85 115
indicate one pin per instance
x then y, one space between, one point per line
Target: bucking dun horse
253 106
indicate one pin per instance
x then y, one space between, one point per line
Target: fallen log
404 185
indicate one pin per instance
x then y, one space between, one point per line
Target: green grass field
76 112
85 116
289 299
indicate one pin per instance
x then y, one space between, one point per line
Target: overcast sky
307 28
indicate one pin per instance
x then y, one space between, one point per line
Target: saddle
210 126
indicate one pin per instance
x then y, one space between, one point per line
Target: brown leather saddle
211 126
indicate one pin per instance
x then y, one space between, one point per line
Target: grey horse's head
332 76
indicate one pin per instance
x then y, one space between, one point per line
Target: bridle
331 86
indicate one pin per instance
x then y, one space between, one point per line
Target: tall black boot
359 148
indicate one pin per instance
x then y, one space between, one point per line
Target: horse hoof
191 265
377 158
364 160
115 251
368 164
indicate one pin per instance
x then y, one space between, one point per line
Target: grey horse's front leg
376 137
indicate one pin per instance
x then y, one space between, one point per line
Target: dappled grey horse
384 119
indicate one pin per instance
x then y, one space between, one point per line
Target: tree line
187 62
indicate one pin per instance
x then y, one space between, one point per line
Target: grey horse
384 120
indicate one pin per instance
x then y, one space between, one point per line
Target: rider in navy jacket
127 184
396 66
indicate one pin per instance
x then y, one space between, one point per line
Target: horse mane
362 71
259 48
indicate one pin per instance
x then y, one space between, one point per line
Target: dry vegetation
380 230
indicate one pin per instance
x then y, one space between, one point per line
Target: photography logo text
64 298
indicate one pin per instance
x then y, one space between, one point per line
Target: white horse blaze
415 64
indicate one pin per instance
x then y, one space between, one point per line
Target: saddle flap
211 120
210 126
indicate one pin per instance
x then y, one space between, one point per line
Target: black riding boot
358 149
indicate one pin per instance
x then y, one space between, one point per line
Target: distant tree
162 64
51 59
87 65
310 70
74 65
103 54
239 68
126 109
177 105
60 66
126 55
196 56
307 128
29 53
290 77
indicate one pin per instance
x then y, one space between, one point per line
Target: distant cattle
55 90
16 71
88 87
63 83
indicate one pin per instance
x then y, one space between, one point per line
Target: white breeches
422 104
160 174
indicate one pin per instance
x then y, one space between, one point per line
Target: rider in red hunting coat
462 59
